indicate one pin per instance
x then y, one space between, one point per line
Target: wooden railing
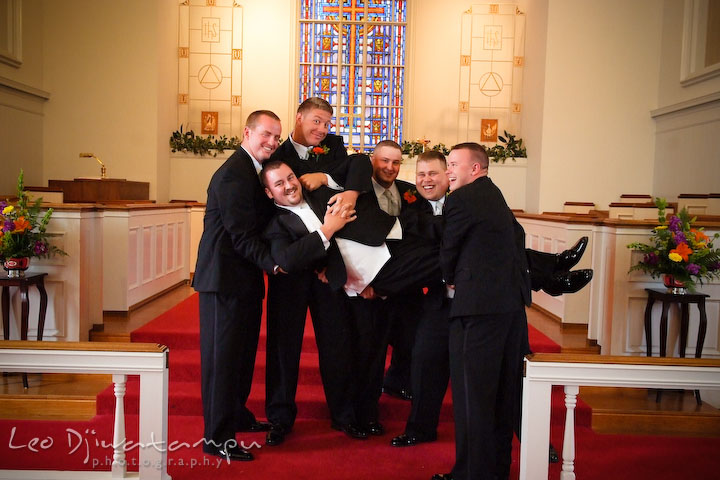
149 361
542 371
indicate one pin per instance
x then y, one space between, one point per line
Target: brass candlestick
103 170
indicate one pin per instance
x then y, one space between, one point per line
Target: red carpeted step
185 366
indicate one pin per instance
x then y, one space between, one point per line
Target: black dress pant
430 370
485 353
371 330
542 266
229 331
289 297
404 313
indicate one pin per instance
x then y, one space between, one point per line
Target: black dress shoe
568 282
256 427
553 455
402 394
230 454
352 431
405 440
569 258
442 476
275 436
374 428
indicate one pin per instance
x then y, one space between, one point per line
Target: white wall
688 141
601 71
21 114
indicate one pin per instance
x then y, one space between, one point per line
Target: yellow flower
700 245
675 257
8 209
661 227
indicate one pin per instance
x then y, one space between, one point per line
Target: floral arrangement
678 249
189 142
421 145
23 234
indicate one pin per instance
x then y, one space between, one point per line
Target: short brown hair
315 103
431 155
253 118
268 167
388 143
477 151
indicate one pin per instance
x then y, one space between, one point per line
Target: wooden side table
683 302
37 279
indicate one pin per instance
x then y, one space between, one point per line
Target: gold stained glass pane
183 52
465 60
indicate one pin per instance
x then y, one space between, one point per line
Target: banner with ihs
210 67
491 67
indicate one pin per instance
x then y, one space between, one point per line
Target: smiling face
311 127
386 162
282 186
462 168
431 180
262 138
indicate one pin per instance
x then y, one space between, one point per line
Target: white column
119 465
568 453
535 429
153 425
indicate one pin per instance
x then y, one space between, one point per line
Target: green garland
189 142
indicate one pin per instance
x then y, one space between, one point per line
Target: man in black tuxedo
229 277
320 158
401 313
488 274
320 161
430 370
359 256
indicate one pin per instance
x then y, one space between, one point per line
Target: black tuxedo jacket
232 255
351 172
479 252
295 249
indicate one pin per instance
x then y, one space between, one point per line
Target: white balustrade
542 371
149 361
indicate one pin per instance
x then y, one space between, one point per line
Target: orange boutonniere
320 150
409 196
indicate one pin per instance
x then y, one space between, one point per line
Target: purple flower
3 204
674 224
9 226
680 238
40 248
713 266
650 259
693 269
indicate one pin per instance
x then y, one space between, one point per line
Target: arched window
352 53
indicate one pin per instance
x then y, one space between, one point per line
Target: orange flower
700 237
21 225
683 250
409 197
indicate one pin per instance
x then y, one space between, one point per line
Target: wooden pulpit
96 190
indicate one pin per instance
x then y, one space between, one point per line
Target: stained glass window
352 54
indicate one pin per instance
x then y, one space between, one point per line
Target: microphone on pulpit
103 170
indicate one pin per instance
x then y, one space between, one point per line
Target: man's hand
348 197
321 275
336 217
368 293
313 181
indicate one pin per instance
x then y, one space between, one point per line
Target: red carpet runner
313 450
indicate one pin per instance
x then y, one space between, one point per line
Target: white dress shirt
309 219
256 164
437 206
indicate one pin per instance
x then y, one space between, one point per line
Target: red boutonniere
320 150
409 196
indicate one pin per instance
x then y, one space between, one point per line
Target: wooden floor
615 410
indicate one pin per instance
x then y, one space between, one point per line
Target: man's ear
298 118
267 192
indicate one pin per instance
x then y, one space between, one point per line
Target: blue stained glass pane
369 101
